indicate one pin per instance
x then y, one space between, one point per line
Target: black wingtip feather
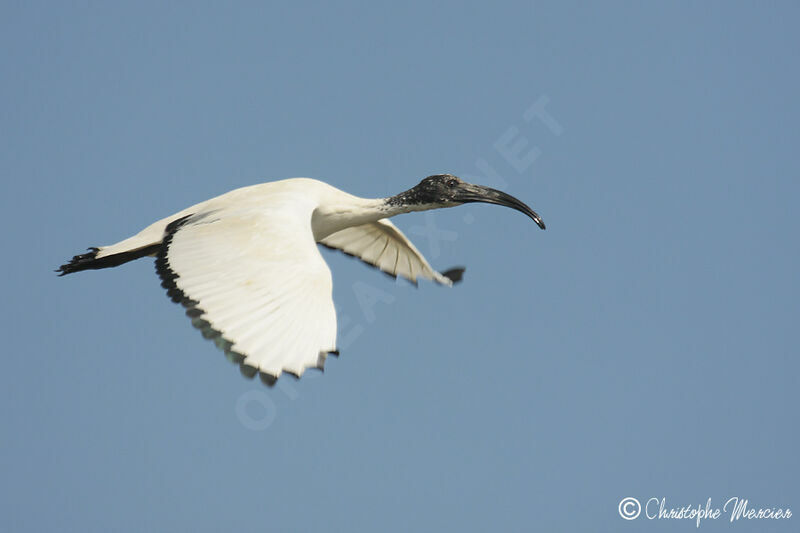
90 261
267 379
455 274
78 262
248 371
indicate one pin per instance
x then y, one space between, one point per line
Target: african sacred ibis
246 266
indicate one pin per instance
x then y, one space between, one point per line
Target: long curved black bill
479 193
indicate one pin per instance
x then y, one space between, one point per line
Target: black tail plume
89 261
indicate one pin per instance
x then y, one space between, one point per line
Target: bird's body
247 267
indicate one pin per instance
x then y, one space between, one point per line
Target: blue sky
645 345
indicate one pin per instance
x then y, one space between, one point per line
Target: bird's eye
452 182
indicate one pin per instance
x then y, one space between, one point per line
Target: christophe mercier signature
735 508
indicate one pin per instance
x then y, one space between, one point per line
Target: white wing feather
382 245
256 281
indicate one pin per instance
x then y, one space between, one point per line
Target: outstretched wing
382 245
256 284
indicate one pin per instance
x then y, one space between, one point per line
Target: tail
90 261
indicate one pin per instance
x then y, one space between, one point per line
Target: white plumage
247 267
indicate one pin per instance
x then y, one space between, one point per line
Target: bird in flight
247 268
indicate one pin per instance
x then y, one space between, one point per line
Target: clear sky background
645 345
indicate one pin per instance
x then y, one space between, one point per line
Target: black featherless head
446 190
